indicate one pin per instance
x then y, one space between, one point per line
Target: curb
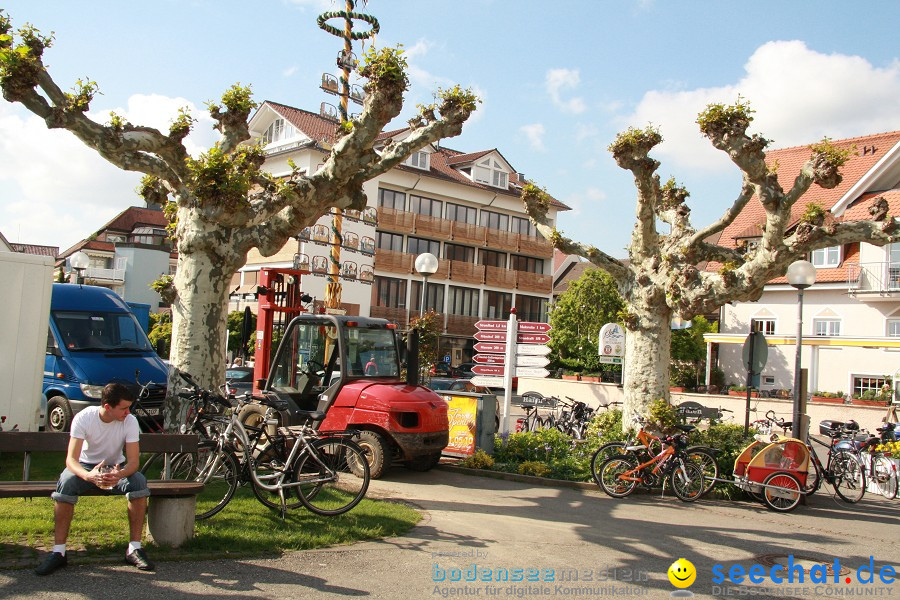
544 481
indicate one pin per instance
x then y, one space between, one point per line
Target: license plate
147 412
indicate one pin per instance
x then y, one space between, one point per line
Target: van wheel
59 414
377 452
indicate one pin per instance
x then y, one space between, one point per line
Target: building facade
462 207
851 315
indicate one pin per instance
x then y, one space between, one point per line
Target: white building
462 207
851 316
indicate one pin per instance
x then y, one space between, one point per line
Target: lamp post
801 274
79 261
426 264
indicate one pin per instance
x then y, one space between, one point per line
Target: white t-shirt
103 441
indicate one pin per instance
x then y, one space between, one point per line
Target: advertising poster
462 424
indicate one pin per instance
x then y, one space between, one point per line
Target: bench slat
43 489
51 441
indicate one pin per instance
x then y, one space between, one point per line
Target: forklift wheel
377 452
424 463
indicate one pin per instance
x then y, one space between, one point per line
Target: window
425 206
463 301
490 258
766 325
457 252
531 308
527 264
434 297
418 160
152 236
115 237
490 172
523 226
826 257
827 327
494 220
497 305
893 327
462 214
389 292
279 130
390 241
863 384
418 246
391 199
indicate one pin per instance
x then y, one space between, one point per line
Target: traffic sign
490 359
530 372
532 361
489 369
489 347
490 336
487 381
529 327
491 325
530 349
532 338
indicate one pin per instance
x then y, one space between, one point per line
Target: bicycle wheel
334 478
813 478
787 495
884 474
708 465
604 452
267 464
849 479
609 479
688 485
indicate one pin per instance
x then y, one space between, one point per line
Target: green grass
245 528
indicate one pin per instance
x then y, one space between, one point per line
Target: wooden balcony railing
464 272
532 282
502 240
397 315
392 219
467 233
433 227
394 262
502 278
460 325
535 246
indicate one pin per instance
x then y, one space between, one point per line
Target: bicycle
531 402
880 469
328 473
619 476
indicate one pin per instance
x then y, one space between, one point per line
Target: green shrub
663 416
479 460
729 439
534 467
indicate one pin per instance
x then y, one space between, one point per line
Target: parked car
443 369
465 370
441 383
239 380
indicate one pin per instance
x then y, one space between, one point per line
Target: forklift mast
280 300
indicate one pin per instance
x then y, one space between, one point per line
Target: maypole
347 62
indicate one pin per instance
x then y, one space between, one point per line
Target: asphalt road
573 542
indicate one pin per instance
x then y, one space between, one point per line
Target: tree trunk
199 351
647 356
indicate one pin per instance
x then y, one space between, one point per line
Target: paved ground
477 527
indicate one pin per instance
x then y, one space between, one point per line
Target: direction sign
491 325
530 372
532 361
488 369
487 381
529 327
490 336
529 349
490 359
613 360
489 347
532 338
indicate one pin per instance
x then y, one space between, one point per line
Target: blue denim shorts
70 486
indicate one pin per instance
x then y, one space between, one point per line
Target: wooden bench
170 512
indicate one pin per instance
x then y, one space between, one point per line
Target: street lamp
426 264
801 274
79 261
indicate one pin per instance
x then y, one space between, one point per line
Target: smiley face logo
682 573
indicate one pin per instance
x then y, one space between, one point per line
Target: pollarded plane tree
663 277
222 204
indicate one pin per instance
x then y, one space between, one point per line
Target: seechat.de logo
795 573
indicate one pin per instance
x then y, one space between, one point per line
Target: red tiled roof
51 251
135 216
319 128
789 162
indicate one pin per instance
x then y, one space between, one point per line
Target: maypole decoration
347 63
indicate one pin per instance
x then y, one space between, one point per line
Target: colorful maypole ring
342 14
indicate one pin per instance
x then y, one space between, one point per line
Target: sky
557 81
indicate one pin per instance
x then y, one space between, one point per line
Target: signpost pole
511 334
749 381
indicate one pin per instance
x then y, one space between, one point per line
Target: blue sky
558 81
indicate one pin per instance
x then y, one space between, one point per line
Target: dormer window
490 172
278 131
826 257
418 160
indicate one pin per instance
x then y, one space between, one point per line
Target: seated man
96 441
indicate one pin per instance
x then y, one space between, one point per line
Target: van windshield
104 331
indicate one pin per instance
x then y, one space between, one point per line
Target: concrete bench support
170 520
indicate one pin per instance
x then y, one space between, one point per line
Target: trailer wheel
377 452
59 414
424 463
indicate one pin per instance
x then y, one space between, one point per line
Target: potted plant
828 397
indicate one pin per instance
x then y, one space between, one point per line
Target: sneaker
54 561
139 559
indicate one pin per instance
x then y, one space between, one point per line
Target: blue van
95 339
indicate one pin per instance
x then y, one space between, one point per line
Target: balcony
433 227
465 272
397 315
874 282
533 282
393 262
461 325
501 278
102 275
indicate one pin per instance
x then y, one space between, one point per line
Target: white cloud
420 48
559 80
799 96
54 190
289 72
535 134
